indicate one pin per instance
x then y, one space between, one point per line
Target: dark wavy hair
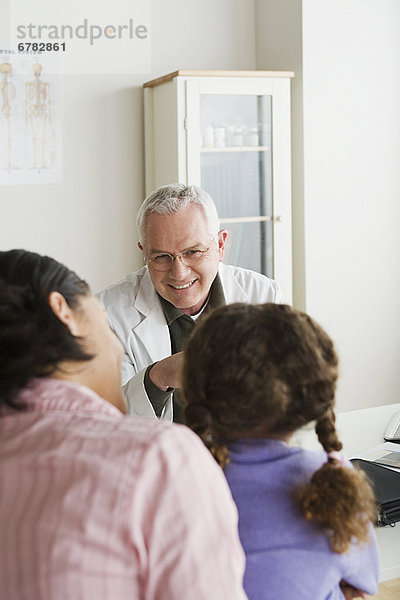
33 341
262 371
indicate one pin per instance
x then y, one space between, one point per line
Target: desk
359 430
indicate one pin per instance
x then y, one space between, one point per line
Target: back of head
258 371
32 339
173 197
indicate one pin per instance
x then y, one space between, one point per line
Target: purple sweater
288 557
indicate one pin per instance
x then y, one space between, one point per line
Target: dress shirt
96 505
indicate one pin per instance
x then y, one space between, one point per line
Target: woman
253 375
95 505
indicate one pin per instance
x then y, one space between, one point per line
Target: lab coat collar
155 339
232 289
146 296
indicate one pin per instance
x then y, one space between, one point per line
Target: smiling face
183 286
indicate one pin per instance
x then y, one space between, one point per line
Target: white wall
350 90
88 221
351 79
346 55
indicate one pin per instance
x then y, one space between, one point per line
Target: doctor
154 310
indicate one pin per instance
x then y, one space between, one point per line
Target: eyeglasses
190 258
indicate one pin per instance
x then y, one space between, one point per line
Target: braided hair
264 371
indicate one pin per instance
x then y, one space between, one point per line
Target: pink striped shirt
96 506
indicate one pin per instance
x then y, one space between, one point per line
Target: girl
253 375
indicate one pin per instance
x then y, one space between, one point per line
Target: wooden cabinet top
170 76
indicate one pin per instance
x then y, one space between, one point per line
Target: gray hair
173 197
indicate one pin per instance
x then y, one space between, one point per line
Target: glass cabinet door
229 132
236 169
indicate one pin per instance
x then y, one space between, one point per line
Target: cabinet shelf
237 149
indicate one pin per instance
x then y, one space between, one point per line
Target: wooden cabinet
229 133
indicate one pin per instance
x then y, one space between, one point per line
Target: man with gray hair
154 310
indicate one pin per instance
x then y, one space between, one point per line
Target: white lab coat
136 316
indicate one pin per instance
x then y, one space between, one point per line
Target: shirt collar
170 311
216 298
264 449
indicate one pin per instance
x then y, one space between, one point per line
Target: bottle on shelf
208 137
237 138
220 136
252 136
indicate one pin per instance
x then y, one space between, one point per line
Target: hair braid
202 422
351 501
326 431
